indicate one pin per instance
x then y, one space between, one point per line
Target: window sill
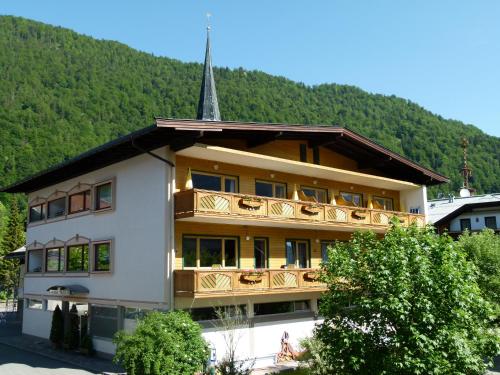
56 274
55 219
101 272
78 214
103 210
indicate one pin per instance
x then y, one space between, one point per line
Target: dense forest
62 93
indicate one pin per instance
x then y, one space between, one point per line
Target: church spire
208 106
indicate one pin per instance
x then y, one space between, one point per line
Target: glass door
297 253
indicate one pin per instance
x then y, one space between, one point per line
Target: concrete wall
476 220
263 340
37 322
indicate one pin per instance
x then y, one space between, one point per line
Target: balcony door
297 253
215 182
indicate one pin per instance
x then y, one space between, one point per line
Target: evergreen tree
74 328
57 328
13 239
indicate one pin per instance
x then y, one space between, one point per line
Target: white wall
415 198
138 227
476 220
37 322
263 341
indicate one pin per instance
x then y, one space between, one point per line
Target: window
103 196
56 208
35 260
52 303
79 202
35 304
209 252
321 195
465 224
211 313
135 313
280 307
37 213
102 256
324 250
270 189
55 260
316 155
214 182
104 321
353 198
490 222
78 258
303 152
260 252
297 253
382 203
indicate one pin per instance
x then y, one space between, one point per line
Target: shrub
87 345
405 304
57 327
74 328
163 343
484 250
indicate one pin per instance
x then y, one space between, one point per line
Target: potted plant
311 209
252 276
311 275
87 346
359 214
251 202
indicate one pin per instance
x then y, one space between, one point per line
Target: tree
74 328
57 328
13 239
484 250
163 343
408 303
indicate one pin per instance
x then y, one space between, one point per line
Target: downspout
171 230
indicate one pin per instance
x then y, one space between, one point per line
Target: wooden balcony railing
223 282
195 202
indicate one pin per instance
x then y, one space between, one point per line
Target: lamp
189 180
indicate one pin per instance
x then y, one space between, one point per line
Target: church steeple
208 106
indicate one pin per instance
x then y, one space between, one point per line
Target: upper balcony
243 209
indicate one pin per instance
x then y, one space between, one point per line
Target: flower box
251 202
359 214
311 209
311 276
252 277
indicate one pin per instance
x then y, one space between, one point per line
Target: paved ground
20 355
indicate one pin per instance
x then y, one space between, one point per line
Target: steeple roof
208 106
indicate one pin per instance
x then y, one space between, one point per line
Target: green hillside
62 93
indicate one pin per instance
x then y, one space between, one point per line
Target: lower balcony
225 282
239 209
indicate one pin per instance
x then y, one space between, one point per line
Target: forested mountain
62 93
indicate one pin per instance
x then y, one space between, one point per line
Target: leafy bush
57 328
406 304
163 343
484 250
315 363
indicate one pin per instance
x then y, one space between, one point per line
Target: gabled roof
441 211
179 134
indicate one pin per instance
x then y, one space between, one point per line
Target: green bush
405 304
57 328
163 343
484 250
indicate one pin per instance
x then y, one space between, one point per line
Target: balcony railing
204 203
223 282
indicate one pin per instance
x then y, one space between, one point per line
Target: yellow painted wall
247 177
276 240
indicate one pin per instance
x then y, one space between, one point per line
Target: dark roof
184 133
465 208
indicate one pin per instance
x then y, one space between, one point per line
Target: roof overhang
466 208
66 290
181 134
16 254
253 160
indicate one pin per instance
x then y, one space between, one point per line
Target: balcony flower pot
311 209
252 277
359 214
251 202
311 276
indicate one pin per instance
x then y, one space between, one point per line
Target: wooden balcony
232 282
240 209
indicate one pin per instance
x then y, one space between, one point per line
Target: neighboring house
195 214
456 214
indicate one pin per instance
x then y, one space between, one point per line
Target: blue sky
444 55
